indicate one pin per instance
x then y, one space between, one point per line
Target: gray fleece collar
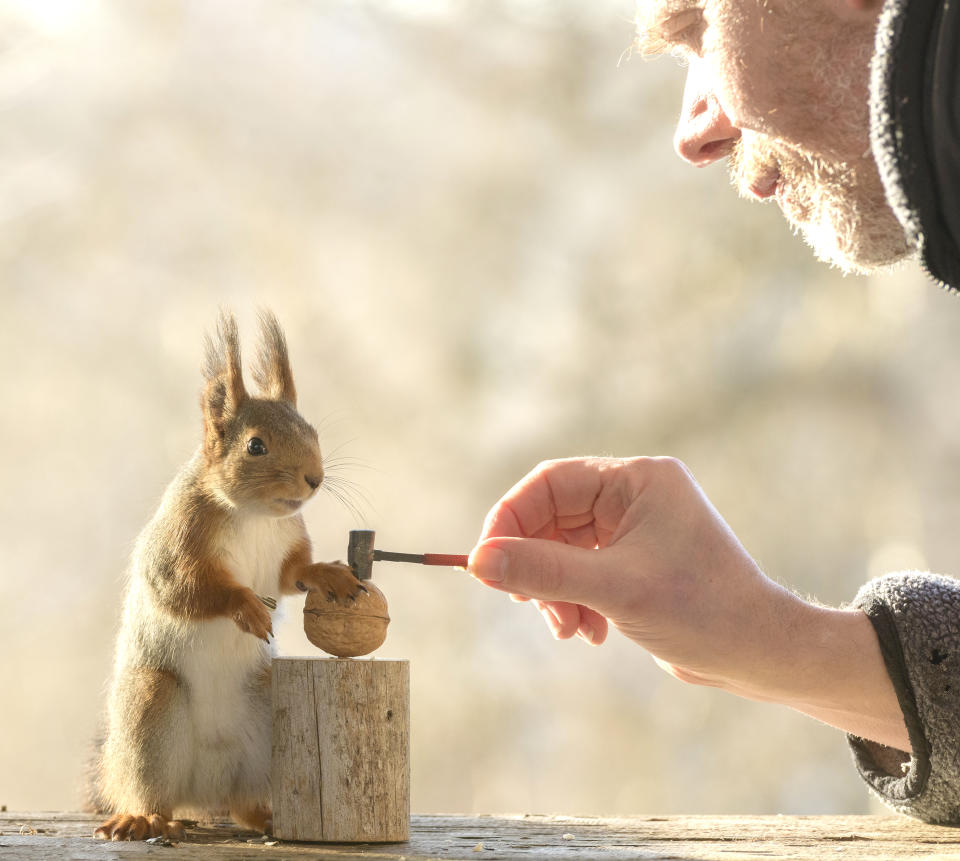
915 126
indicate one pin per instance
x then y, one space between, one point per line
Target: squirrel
189 711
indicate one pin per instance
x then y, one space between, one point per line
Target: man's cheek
741 109
742 90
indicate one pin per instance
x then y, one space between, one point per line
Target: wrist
827 663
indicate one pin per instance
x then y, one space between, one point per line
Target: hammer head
360 553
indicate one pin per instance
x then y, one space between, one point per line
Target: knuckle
671 469
547 469
559 463
673 465
545 466
661 469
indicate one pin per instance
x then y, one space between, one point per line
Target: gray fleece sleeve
917 620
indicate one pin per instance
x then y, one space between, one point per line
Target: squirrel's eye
256 447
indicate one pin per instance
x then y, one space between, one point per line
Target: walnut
347 631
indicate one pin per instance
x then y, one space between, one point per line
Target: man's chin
839 208
856 247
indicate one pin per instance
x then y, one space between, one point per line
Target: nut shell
347 631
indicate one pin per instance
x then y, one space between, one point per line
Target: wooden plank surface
36 836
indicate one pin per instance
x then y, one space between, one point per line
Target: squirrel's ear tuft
272 372
224 392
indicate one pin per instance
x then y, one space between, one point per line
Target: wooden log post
341 750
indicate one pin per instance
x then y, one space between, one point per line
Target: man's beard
839 207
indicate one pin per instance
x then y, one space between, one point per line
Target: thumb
537 568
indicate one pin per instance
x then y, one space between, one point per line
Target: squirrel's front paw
250 614
334 579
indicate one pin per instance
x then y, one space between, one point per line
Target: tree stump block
341 750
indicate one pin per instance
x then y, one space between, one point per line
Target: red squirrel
189 705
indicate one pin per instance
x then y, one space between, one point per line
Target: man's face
781 87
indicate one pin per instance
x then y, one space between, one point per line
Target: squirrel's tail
91 780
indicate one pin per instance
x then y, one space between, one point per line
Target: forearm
820 661
827 664
888 672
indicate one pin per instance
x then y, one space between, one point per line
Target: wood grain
341 750
295 772
36 836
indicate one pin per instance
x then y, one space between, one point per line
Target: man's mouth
770 182
766 184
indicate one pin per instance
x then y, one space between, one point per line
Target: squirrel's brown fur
189 712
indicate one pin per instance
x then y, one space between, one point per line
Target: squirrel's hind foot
259 818
126 826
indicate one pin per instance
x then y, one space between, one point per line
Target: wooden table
36 836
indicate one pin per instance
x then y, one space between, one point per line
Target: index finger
573 500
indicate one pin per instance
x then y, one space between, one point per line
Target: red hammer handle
449 560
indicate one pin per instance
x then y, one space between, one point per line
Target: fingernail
488 563
587 633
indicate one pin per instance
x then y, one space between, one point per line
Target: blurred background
470 220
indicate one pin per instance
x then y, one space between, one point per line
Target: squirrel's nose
313 481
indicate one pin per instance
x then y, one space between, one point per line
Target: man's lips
765 184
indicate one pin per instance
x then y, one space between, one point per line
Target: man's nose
704 132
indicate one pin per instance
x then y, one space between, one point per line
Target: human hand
635 543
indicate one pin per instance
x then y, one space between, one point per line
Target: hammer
361 555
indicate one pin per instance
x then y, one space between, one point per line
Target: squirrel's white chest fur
218 657
253 549
222 714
